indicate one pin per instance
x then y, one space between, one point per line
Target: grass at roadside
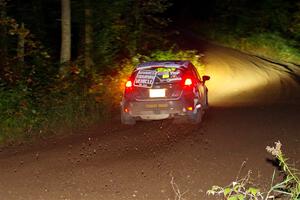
25 118
266 44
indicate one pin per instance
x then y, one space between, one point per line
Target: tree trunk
88 40
3 36
65 54
21 44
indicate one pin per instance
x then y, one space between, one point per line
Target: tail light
128 86
188 82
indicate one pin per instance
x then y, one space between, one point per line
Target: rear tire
127 119
196 118
206 106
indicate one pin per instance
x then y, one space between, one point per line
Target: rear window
147 77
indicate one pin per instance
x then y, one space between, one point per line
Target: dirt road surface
254 103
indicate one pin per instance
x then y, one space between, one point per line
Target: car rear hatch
157 83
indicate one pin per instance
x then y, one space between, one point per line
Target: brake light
188 82
128 84
128 87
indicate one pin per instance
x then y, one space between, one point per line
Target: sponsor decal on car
145 78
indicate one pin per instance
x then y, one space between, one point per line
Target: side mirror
205 78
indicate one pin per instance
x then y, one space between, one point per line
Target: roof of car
166 63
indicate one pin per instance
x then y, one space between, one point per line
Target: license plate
160 105
151 105
155 93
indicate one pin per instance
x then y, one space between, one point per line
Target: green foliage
70 109
15 111
125 28
295 25
273 45
35 100
291 184
24 70
67 106
246 16
237 190
269 28
265 44
191 55
244 189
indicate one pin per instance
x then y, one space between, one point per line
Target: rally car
164 89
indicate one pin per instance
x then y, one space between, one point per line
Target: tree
21 42
65 54
88 36
3 32
125 28
295 25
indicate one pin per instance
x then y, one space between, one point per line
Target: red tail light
128 84
188 82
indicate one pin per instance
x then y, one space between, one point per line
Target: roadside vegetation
43 92
245 189
268 45
265 28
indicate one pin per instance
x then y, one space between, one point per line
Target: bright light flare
239 79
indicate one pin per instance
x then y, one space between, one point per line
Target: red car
164 89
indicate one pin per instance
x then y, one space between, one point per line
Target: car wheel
196 118
127 119
206 103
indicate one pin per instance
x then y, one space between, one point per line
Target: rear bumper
156 110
